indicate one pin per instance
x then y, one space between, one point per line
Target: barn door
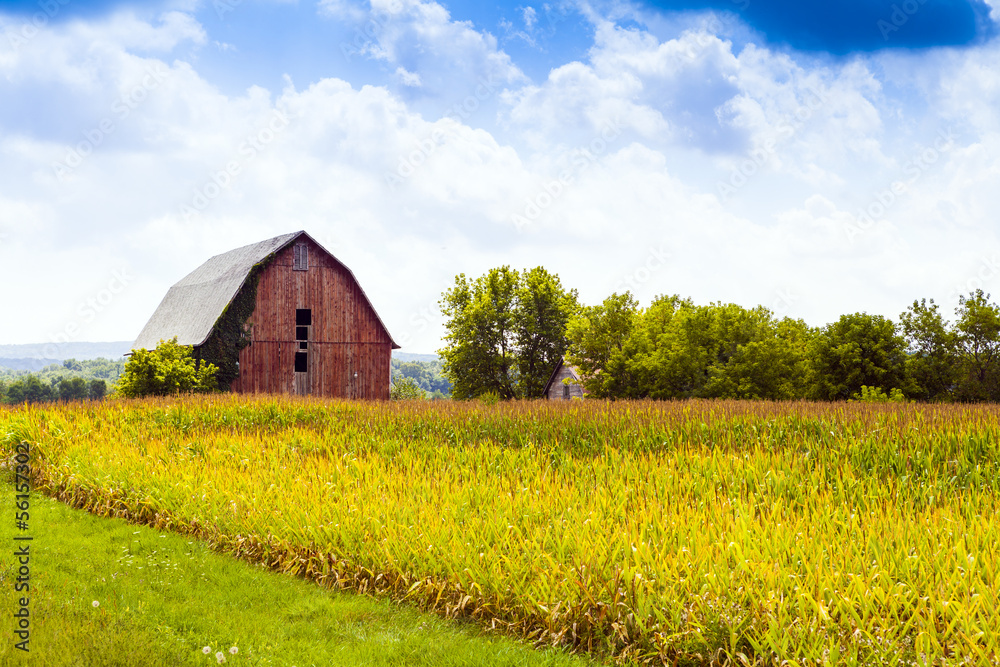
303 353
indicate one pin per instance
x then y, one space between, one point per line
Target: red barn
279 316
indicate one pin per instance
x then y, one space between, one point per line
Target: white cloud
620 155
325 172
406 78
344 9
994 9
530 17
420 37
694 90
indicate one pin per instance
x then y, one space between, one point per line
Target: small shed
564 383
280 316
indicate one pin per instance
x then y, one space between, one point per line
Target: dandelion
220 656
206 650
234 650
96 603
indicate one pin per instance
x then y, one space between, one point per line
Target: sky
815 158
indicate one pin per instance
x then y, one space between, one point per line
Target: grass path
162 598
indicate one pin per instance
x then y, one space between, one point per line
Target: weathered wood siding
556 391
348 349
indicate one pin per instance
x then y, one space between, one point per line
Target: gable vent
301 257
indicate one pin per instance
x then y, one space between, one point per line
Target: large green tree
772 364
506 331
675 349
665 352
932 351
720 351
978 334
858 349
598 336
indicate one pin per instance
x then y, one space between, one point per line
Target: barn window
303 317
301 333
303 345
565 391
301 362
301 257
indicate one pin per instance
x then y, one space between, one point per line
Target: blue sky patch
848 26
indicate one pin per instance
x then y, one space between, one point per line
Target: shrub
405 389
876 395
169 369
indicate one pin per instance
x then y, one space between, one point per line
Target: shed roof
572 371
191 307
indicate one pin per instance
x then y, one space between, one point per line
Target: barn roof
193 305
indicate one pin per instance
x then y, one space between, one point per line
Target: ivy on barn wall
230 335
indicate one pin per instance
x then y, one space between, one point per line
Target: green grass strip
161 598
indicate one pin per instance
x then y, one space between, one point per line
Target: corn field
681 533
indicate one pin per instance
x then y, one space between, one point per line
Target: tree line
71 380
31 389
169 369
427 376
507 330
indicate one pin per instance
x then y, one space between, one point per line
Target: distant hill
50 353
410 356
27 364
